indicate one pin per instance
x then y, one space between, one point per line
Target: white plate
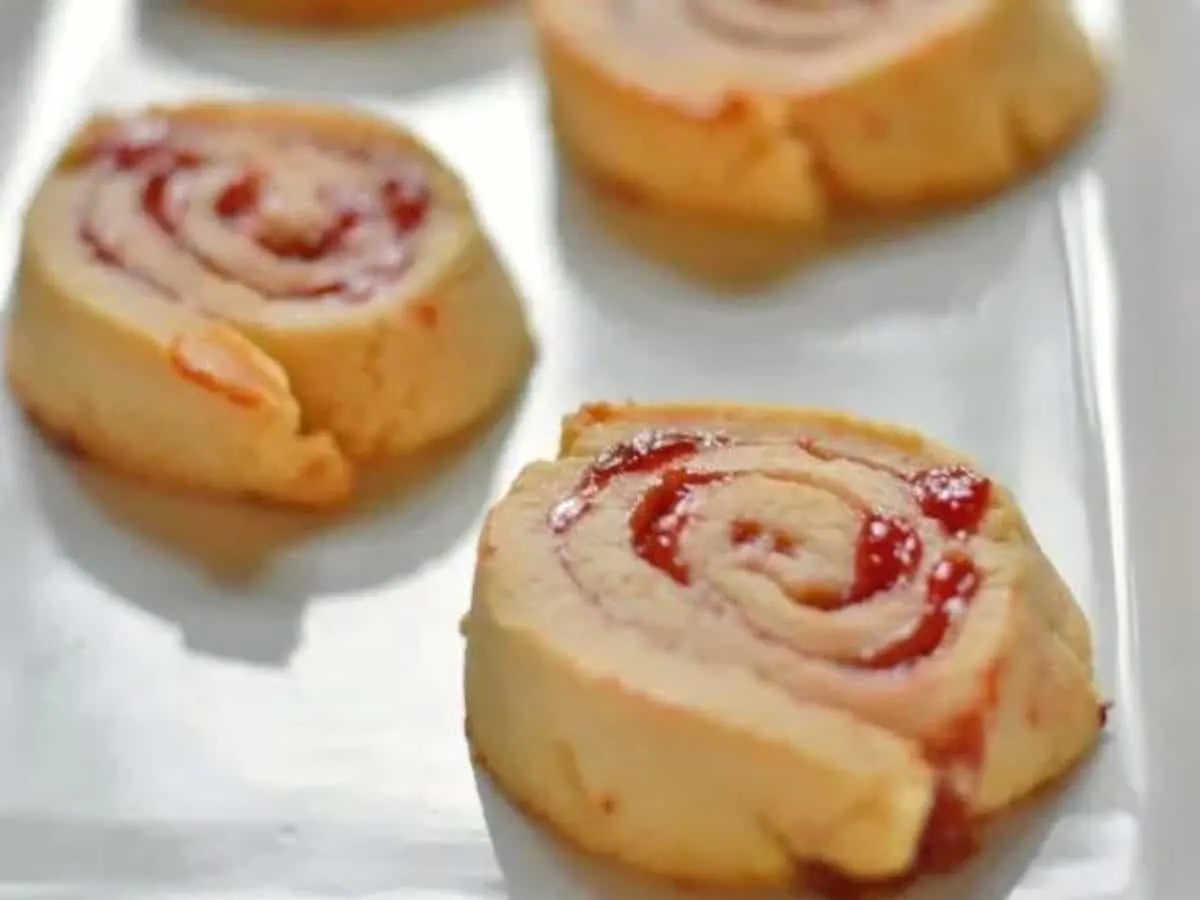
167 733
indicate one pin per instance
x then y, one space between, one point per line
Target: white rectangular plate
169 733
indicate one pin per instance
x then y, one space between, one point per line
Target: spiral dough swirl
277 215
259 298
721 581
800 556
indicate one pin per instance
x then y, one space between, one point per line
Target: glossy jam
241 196
401 200
954 496
156 201
407 202
158 161
126 155
952 583
154 155
657 523
955 577
949 839
950 836
888 552
642 454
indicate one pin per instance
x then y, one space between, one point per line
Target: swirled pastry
337 14
727 644
257 299
779 111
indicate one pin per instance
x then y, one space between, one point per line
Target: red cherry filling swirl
889 556
283 215
889 551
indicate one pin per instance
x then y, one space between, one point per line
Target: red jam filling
402 200
155 155
955 577
241 196
952 583
156 200
658 521
954 496
888 551
160 162
644 453
949 839
407 202
950 836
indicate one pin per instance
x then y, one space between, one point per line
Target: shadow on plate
622 251
902 291
534 864
157 858
236 578
388 63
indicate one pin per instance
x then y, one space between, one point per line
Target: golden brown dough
258 299
782 113
727 644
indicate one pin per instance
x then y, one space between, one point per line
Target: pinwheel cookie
781 111
729 646
257 299
331 13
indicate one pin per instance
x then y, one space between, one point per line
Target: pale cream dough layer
203 355
725 731
784 113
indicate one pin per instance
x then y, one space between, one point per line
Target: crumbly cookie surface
726 645
785 113
258 299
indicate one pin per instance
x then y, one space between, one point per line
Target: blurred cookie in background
332 14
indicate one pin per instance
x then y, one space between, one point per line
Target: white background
172 726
